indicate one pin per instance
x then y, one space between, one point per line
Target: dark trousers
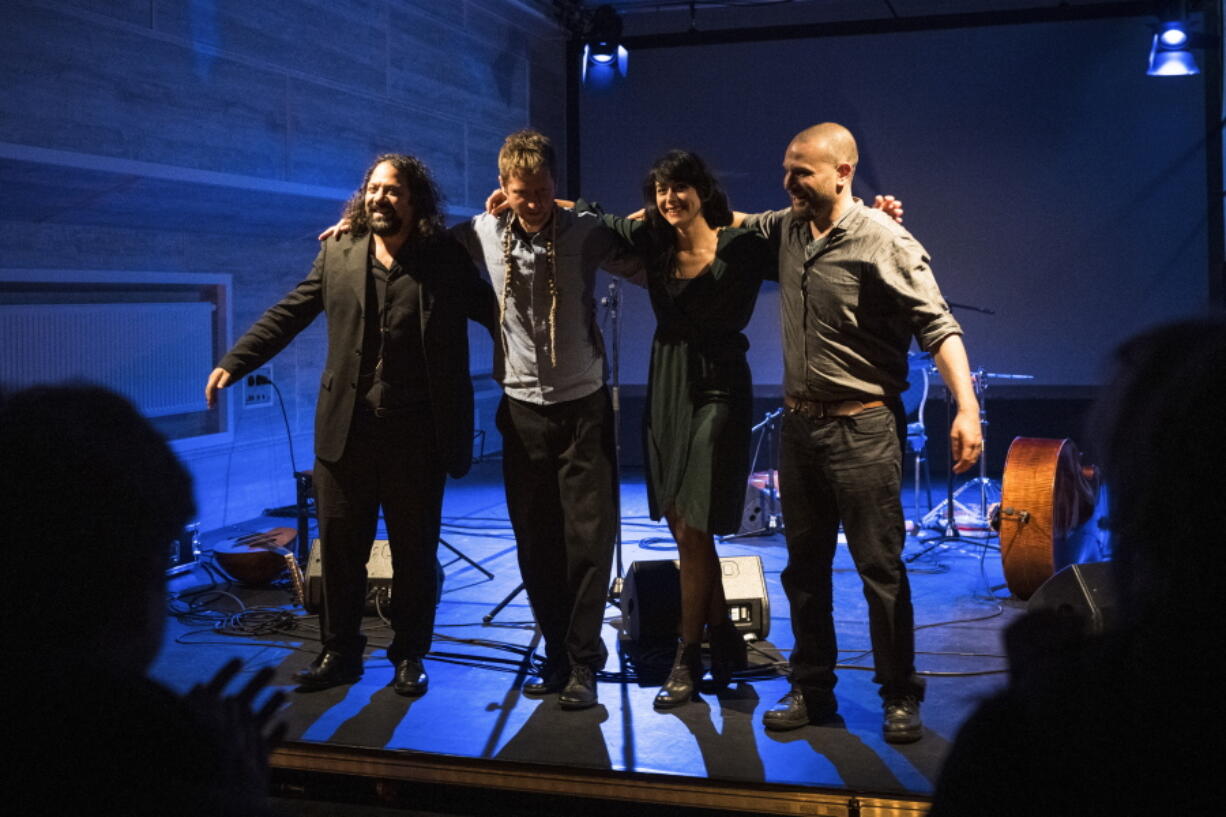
846 469
559 469
392 462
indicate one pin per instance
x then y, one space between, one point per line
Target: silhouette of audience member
90 498
1124 722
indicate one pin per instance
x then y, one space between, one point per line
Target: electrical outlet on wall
255 395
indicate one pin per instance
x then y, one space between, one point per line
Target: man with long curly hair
395 409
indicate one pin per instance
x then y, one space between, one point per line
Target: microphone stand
612 306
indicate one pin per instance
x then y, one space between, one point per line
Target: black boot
682 683
728 651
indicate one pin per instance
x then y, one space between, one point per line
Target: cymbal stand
974 498
944 516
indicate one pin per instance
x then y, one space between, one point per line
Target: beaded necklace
509 271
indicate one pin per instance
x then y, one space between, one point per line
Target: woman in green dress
703 279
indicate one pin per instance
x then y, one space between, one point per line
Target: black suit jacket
451 292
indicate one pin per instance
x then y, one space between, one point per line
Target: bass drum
913 399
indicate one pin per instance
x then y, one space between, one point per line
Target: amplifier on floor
1084 590
651 598
763 511
378 576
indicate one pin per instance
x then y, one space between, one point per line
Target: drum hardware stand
772 509
917 442
944 516
917 447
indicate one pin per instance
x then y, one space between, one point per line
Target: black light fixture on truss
604 33
1170 54
603 56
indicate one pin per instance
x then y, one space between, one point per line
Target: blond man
555 417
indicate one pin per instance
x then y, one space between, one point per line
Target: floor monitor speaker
651 598
1084 590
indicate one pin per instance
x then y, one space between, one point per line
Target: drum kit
969 508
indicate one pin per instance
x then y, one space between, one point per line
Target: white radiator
156 354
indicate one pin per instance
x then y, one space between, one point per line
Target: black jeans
559 470
846 469
392 462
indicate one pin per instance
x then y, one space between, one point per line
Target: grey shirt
524 365
851 302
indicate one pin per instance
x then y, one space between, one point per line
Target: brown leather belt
820 410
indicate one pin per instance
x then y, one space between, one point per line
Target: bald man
855 287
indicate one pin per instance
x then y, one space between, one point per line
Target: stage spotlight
602 53
1173 35
604 58
1169 56
604 31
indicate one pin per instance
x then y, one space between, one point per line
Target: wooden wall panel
447 68
221 136
343 43
111 91
137 12
332 140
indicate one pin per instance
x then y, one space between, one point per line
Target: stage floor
474 709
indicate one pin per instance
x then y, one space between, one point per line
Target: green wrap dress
699 390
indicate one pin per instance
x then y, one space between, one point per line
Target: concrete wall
220 135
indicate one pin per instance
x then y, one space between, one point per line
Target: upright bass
1046 498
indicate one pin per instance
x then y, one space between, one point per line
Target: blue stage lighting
604 58
1170 55
1173 35
602 53
604 30
604 72
1173 64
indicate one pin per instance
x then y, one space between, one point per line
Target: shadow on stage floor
475 736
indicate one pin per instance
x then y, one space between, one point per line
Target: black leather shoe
329 670
682 684
580 689
902 723
546 684
411 678
797 709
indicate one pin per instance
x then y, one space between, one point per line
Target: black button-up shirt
393 370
